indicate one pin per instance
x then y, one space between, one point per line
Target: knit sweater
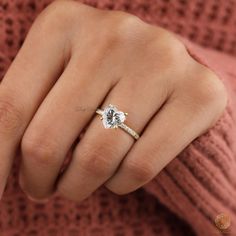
199 184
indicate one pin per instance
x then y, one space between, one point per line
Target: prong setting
112 118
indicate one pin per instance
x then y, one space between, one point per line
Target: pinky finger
170 131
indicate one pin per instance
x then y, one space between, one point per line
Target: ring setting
113 118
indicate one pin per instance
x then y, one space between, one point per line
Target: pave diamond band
129 130
112 118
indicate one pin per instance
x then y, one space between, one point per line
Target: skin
81 58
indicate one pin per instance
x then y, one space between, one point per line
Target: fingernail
21 183
44 200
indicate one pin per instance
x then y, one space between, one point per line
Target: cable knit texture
193 189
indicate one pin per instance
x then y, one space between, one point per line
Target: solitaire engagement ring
112 118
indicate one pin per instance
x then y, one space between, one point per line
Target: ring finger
97 156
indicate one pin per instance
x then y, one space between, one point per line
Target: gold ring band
112 118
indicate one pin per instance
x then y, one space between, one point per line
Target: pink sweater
193 189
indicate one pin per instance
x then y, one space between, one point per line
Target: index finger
28 80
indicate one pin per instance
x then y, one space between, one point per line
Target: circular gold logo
222 221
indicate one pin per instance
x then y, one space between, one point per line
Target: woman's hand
76 59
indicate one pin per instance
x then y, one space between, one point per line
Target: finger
170 131
58 122
26 83
101 150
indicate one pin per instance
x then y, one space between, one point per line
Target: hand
76 59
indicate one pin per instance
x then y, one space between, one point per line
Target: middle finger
57 124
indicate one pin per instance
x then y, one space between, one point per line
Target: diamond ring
112 118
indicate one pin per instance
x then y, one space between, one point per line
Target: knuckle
10 116
163 44
211 91
123 28
55 18
39 149
97 160
172 50
128 25
141 171
176 50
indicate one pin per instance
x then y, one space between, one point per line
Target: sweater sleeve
200 183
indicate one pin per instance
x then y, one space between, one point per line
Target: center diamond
112 118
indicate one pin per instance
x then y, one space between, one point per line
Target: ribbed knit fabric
193 189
